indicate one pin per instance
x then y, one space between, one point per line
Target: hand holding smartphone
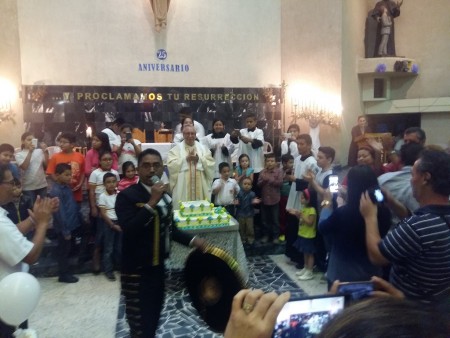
354 291
128 136
305 317
34 142
334 184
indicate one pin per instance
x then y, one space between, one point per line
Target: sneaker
67 278
307 275
282 238
110 276
301 272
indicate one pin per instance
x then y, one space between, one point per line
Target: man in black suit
144 211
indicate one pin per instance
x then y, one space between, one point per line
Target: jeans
112 247
270 221
64 246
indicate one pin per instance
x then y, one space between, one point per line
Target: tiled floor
90 308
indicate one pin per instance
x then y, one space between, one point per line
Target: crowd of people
131 194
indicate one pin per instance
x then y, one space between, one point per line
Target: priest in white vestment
191 169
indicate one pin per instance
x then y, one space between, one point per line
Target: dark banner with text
51 109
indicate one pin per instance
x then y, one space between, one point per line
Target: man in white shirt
15 248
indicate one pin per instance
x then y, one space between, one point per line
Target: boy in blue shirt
65 220
6 156
245 211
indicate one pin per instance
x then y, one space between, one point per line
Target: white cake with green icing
200 215
196 208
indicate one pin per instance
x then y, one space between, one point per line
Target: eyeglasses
11 183
106 159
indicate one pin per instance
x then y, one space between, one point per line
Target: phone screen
128 136
378 195
334 184
34 142
305 317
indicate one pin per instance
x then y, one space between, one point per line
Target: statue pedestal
388 67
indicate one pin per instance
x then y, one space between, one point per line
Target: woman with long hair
345 229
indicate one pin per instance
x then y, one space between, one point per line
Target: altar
226 238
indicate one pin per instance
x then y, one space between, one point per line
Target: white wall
101 42
10 69
353 23
311 53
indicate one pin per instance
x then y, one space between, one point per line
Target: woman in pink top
100 142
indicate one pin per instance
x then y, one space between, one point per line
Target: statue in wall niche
160 9
379 37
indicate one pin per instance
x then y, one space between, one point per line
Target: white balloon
19 296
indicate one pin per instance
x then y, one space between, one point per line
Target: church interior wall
256 43
311 55
224 43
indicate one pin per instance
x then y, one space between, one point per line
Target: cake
200 215
196 208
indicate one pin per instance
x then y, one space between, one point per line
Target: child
306 234
251 143
112 231
129 176
129 148
100 143
302 163
243 169
6 156
289 145
225 188
220 144
96 187
74 159
246 198
270 180
32 161
287 163
320 181
65 220
18 208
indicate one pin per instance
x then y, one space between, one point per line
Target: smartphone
334 184
128 136
354 291
376 195
34 142
305 317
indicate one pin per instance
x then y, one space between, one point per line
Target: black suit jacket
144 244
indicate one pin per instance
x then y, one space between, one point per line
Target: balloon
19 295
